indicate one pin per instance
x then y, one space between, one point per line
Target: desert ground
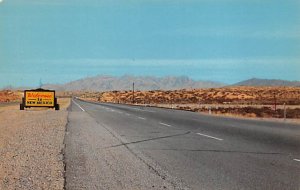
250 102
262 102
32 142
31 145
9 96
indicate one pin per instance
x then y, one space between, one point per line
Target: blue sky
219 40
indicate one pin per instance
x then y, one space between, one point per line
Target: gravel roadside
31 147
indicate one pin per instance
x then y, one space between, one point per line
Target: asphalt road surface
112 146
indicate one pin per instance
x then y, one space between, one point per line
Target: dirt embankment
10 96
242 101
31 144
229 95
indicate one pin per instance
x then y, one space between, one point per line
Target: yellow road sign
39 98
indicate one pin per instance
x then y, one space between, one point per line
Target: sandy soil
226 95
241 101
10 96
215 112
31 147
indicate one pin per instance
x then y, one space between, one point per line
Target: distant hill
110 83
267 82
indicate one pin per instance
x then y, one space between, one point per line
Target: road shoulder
93 163
31 144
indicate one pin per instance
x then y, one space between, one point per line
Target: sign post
39 98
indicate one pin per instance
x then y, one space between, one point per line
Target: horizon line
9 86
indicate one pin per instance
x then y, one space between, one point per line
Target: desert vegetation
10 96
244 101
233 95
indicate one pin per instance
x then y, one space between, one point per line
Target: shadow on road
151 139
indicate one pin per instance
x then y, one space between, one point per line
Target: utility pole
275 102
284 111
133 93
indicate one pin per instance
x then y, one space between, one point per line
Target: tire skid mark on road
154 167
151 139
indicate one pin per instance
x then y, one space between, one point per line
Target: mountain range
110 83
267 82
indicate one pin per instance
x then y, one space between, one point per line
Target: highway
113 146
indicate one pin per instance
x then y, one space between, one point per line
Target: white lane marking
143 110
78 105
209 136
165 124
141 118
119 112
127 114
297 160
151 111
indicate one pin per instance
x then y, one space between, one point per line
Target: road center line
78 105
298 160
209 136
165 124
141 118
